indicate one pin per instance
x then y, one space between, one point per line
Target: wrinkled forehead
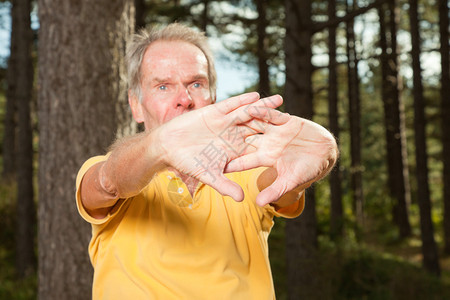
174 53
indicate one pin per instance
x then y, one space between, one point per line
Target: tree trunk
263 67
298 90
445 112
336 215
25 210
355 123
205 18
82 105
429 248
398 175
140 14
10 122
301 233
9 133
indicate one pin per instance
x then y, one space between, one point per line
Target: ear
136 107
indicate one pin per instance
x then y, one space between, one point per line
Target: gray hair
173 32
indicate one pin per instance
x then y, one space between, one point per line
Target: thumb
226 187
272 193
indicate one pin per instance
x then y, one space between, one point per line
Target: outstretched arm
178 143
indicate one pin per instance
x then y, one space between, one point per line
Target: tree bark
398 174
140 14
9 146
429 248
336 215
301 233
445 112
10 124
25 209
355 123
263 67
205 17
299 68
82 107
9 133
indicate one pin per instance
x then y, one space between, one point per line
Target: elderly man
184 209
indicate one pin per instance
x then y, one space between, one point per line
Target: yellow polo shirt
165 244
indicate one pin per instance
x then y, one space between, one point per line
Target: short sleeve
291 211
84 168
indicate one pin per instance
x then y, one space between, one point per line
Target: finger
268 114
246 131
242 115
225 186
234 137
273 101
230 104
272 193
245 162
257 125
254 140
250 145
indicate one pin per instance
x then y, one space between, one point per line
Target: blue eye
197 85
162 87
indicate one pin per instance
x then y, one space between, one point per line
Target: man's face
174 80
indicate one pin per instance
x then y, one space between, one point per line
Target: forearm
132 163
130 166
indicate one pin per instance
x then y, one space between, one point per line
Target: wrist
158 150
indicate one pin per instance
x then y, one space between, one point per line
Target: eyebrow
160 80
167 79
200 77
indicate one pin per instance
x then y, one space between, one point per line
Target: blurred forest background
375 73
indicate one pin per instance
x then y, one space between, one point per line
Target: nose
184 99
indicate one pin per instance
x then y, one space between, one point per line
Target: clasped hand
246 132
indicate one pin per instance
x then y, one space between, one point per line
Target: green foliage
10 287
365 274
347 270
